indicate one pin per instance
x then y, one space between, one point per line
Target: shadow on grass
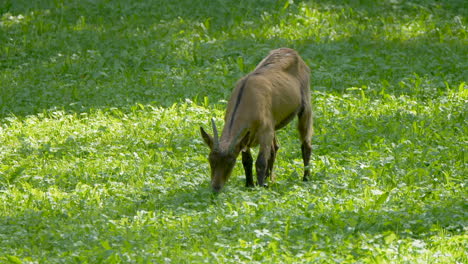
374 9
94 55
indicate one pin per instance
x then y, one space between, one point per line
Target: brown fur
263 101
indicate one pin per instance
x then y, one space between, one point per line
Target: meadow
101 160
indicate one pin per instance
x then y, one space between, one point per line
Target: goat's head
222 161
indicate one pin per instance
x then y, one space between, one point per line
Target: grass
101 160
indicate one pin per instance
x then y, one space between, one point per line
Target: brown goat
264 101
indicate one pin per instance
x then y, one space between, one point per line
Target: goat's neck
229 136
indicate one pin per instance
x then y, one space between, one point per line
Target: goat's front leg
271 161
247 162
261 165
264 154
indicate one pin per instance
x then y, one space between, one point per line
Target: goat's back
276 90
283 59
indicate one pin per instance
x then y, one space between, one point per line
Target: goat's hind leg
306 131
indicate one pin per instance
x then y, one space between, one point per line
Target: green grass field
101 160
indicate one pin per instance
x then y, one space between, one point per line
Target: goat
263 101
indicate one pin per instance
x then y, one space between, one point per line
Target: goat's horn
215 134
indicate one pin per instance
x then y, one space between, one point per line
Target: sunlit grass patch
101 160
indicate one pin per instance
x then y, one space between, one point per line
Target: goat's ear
207 138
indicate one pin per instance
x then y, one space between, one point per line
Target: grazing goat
265 100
